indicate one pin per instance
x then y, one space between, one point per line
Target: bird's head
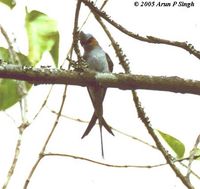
87 41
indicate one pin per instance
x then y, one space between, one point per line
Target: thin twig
16 155
150 39
47 141
76 32
118 51
57 119
12 53
103 4
9 116
118 131
141 113
104 164
166 155
132 137
21 87
192 172
21 90
192 157
44 103
86 18
75 44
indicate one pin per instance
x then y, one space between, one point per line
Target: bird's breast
96 60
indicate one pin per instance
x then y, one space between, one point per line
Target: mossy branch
86 78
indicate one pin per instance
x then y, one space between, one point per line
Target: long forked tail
93 122
97 95
101 136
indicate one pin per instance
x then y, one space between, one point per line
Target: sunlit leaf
9 89
176 145
10 3
42 36
196 152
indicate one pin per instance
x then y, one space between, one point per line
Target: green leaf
176 145
42 36
10 3
196 152
9 89
5 56
8 93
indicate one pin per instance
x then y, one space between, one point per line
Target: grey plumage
99 61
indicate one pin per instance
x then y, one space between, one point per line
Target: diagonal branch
150 39
140 110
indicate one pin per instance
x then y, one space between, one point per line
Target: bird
97 60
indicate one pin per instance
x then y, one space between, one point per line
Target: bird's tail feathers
93 122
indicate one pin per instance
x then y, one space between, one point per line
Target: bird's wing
110 63
97 95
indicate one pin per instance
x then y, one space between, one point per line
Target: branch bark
86 78
150 39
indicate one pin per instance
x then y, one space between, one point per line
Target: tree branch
103 164
86 78
150 39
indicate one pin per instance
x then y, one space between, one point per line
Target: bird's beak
82 33
83 37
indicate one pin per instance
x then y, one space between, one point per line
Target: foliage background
176 114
